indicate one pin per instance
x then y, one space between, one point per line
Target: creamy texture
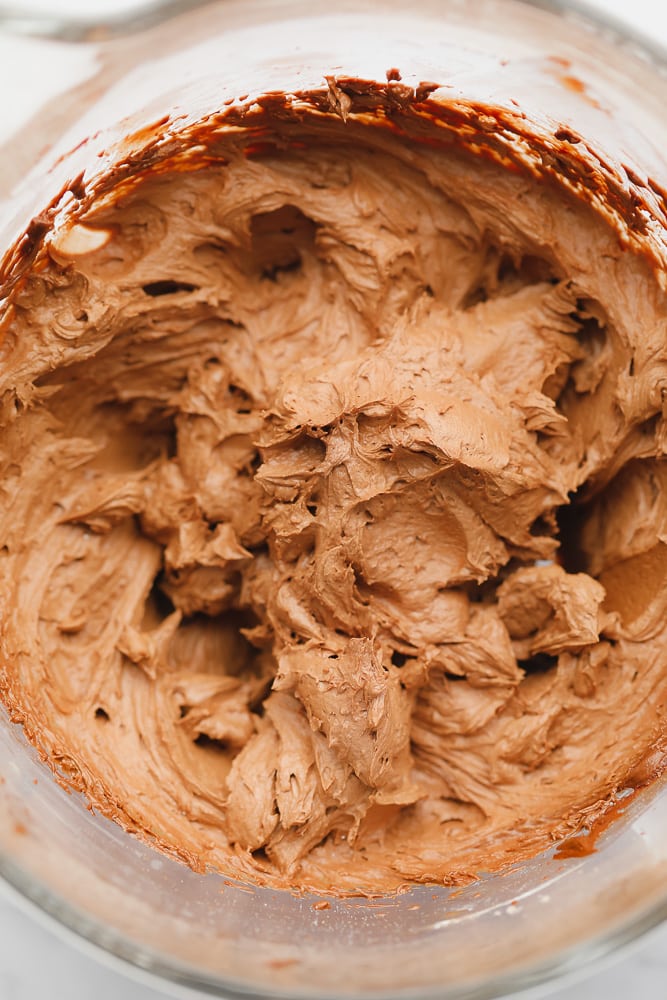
333 530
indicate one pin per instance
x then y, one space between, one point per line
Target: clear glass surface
506 932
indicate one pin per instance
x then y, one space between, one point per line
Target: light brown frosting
333 527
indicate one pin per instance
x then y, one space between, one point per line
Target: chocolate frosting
333 532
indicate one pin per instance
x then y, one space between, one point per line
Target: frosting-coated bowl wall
199 928
532 924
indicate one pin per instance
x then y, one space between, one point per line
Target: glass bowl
537 921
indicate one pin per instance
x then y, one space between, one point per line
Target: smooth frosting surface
333 535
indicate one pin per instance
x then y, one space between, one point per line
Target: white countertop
36 964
